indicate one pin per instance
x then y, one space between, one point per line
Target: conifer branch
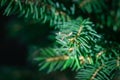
64 57
100 53
76 43
58 58
84 2
41 10
118 61
96 72
77 35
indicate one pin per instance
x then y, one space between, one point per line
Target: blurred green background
18 41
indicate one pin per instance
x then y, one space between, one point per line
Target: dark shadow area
14 42
12 52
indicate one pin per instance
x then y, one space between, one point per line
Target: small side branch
96 72
84 2
64 57
100 53
78 34
58 58
118 61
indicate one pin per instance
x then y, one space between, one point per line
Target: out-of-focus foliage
104 12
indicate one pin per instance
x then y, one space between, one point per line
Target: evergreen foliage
81 44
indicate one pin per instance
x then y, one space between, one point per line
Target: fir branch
76 45
96 72
65 57
65 51
79 31
93 72
100 53
84 2
41 10
118 61
91 5
77 35
58 58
